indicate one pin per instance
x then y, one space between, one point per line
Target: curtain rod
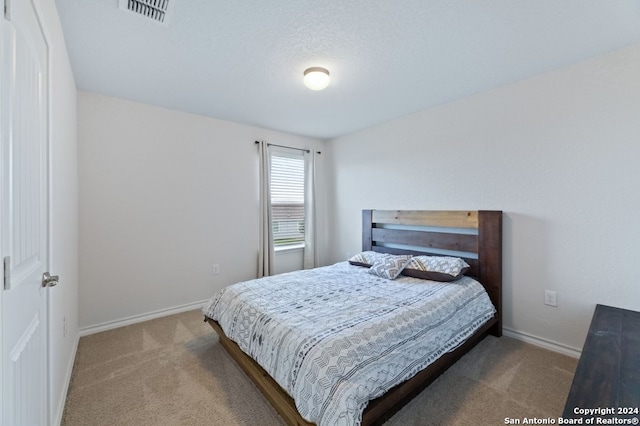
290 147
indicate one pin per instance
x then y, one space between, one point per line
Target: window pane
287 199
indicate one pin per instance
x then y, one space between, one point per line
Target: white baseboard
67 381
541 342
110 325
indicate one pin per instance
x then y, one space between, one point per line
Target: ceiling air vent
156 10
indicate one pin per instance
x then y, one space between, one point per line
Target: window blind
287 199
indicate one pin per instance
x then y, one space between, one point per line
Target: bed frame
476 236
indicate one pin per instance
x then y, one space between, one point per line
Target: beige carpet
173 371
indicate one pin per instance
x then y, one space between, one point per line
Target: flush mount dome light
316 78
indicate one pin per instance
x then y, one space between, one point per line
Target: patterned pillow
366 258
390 266
436 268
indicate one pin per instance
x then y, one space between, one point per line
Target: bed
475 236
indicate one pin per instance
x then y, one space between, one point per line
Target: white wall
557 153
163 196
288 260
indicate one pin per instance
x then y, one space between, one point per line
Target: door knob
49 280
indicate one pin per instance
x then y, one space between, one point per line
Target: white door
24 215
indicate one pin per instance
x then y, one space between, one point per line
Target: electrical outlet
215 269
550 298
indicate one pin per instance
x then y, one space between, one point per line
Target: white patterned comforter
336 337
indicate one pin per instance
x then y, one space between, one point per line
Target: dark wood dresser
608 372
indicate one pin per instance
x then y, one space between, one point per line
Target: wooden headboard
475 236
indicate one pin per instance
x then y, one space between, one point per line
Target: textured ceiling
243 60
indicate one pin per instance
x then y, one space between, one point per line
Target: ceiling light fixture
316 78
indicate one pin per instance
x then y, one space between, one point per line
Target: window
287 199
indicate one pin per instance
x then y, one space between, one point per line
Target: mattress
337 337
